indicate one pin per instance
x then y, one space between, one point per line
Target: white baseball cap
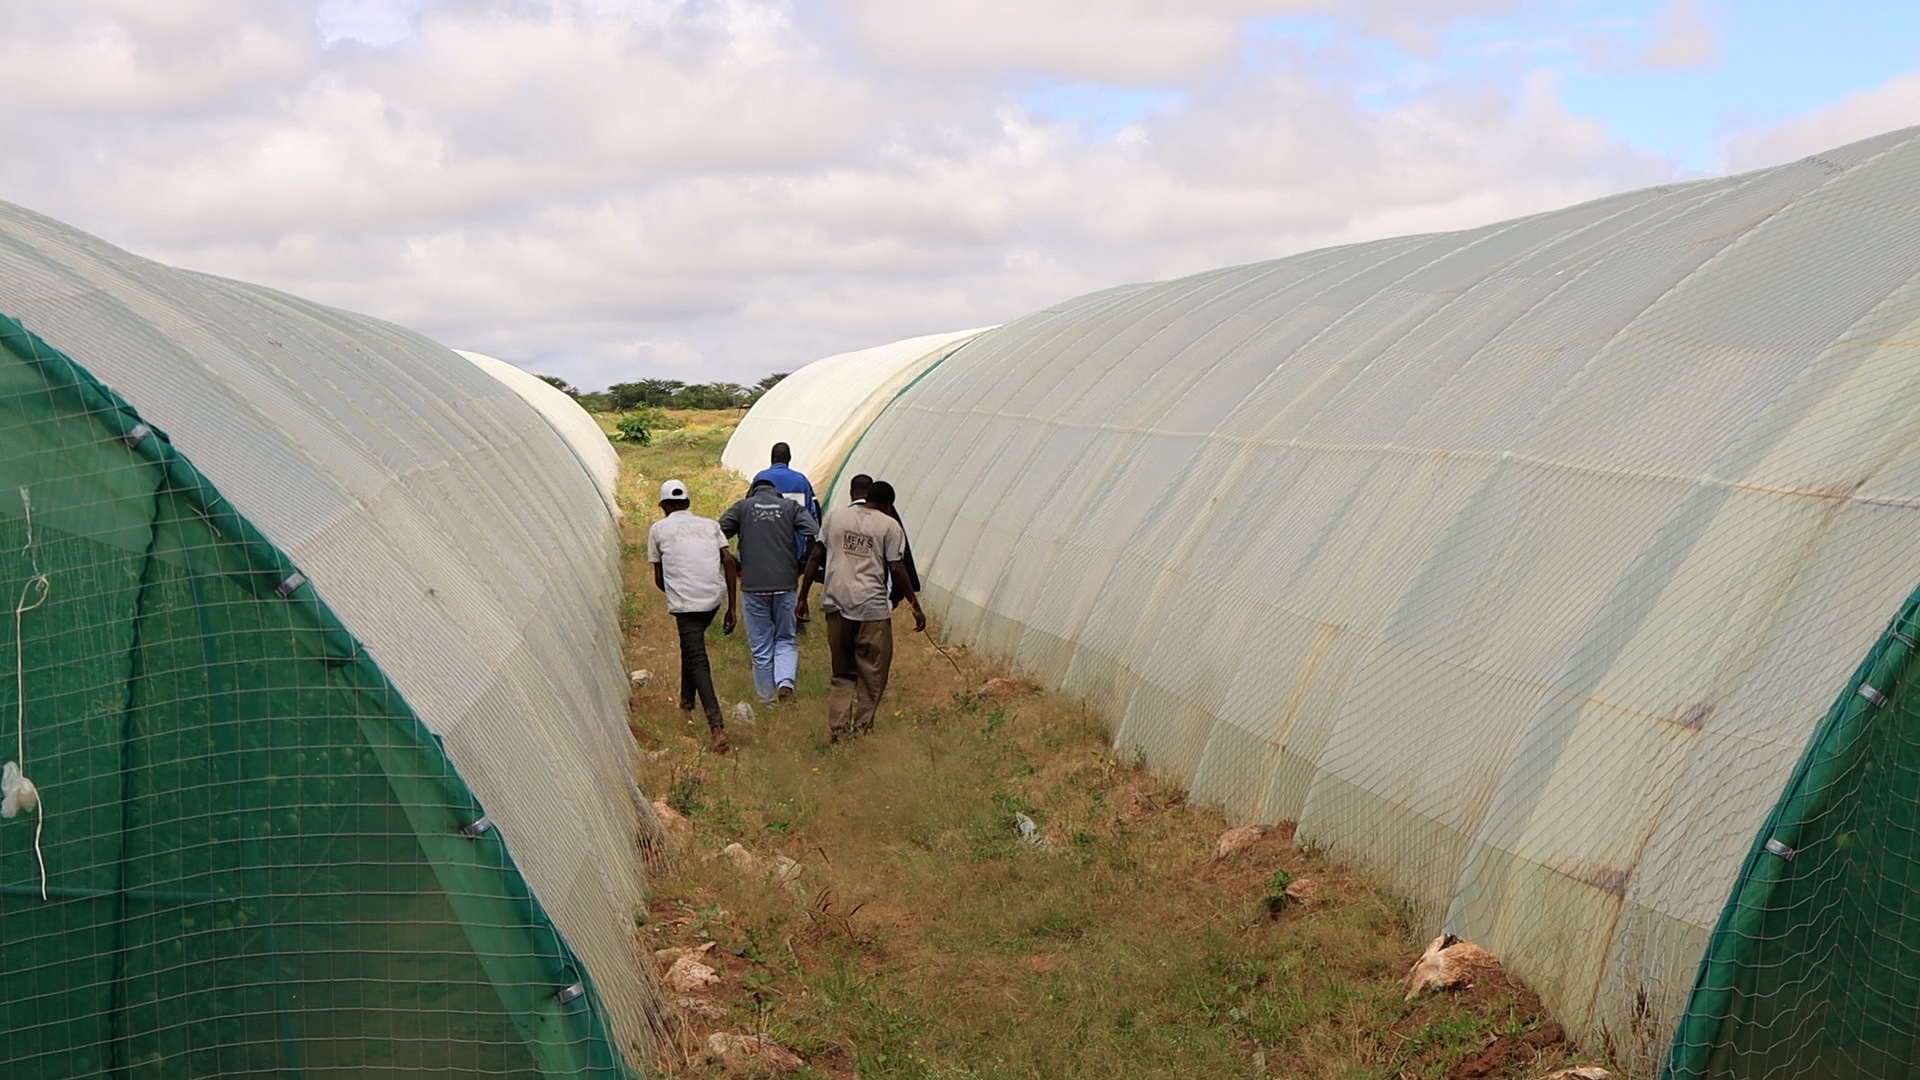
672 491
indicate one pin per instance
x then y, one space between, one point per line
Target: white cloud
1891 105
606 189
125 58
1116 41
370 22
1683 37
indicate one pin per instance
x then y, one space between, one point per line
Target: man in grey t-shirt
860 548
771 530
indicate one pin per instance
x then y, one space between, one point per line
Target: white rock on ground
1582 1072
678 829
688 975
1234 841
1002 688
701 1007
1029 831
751 1054
674 952
1448 964
778 867
1303 890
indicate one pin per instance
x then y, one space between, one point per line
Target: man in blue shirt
792 484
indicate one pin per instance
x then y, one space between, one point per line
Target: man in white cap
692 565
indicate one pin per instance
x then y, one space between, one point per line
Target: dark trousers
862 654
695 673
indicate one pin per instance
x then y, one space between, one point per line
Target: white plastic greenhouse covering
820 410
1514 564
440 516
572 422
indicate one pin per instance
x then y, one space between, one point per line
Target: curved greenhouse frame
1518 565
323 695
820 410
571 422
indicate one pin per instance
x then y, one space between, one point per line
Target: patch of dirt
1142 800
1042 963
1508 1052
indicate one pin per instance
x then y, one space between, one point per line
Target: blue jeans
776 653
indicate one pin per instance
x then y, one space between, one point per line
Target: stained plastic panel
443 519
821 410
571 422
1517 564
235 850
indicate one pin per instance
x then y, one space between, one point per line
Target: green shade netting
254 856
1814 968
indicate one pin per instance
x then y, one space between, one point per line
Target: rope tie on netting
18 793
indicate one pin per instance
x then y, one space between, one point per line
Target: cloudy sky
716 189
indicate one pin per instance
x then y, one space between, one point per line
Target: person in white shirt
694 568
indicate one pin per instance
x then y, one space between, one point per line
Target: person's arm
905 582
731 569
816 559
730 520
894 549
659 579
654 555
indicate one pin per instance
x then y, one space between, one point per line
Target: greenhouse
1555 571
316 758
574 424
819 410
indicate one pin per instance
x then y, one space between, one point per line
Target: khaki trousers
862 654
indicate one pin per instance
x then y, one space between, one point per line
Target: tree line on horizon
665 394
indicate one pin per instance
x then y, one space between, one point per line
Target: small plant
634 429
704 919
684 794
639 425
1275 900
724 817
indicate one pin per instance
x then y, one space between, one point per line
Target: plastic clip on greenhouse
1531 567
317 674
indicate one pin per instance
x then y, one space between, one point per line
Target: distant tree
656 392
760 388
558 383
714 395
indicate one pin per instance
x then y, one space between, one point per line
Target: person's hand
800 611
919 617
726 624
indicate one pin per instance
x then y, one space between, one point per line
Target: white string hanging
17 793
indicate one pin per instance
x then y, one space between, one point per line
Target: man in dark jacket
857 489
771 530
898 590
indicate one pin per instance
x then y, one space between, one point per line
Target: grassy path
920 936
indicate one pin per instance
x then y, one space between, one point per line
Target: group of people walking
859 553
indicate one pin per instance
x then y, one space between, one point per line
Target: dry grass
924 938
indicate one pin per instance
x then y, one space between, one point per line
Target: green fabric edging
1811 970
254 846
826 496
